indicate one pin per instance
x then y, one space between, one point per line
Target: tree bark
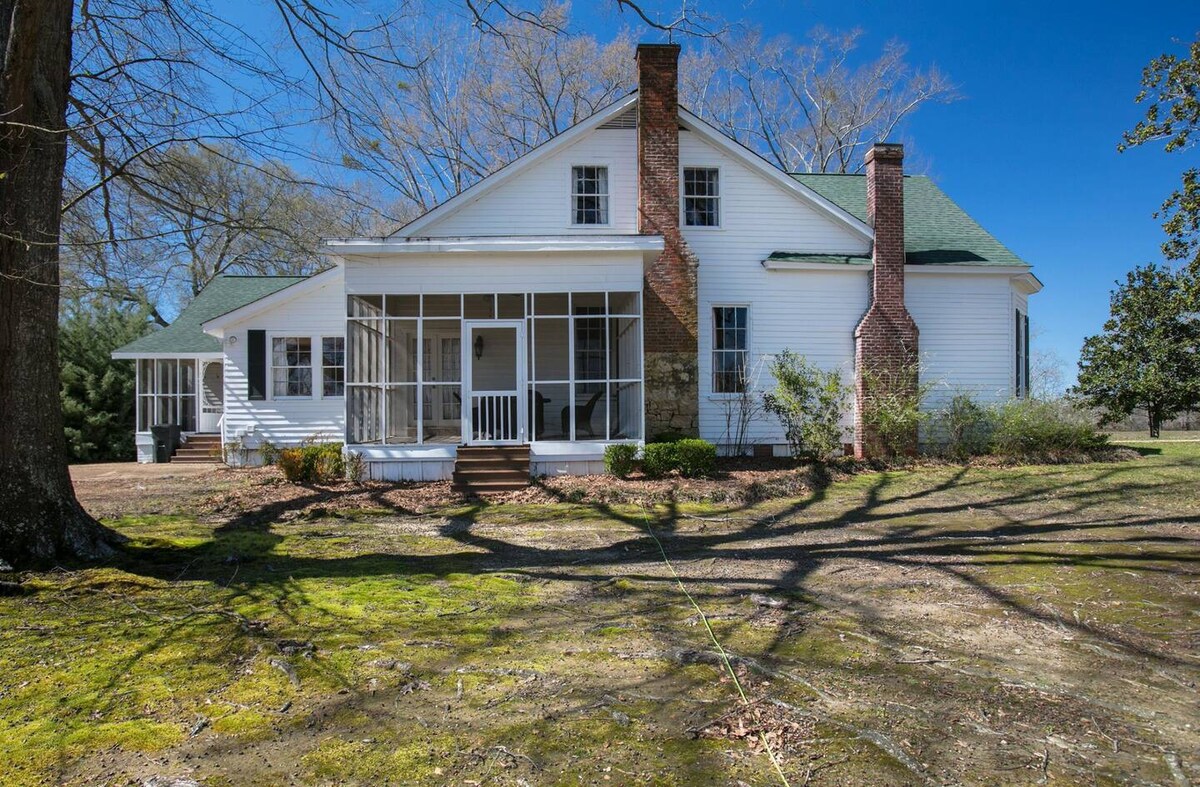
1155 418
40 519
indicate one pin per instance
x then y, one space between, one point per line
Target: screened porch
497 368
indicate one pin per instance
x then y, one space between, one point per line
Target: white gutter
360 247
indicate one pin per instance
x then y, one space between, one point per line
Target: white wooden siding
538 201
286 421
502 273
966 343
811 312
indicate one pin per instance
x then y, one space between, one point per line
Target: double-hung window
589 195
291 366
1021 340
730 346
333 369
701 197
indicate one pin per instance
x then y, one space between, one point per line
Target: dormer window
589 195
701 197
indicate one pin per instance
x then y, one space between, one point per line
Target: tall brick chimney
672 393
885 341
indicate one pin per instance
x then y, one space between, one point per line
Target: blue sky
1030 149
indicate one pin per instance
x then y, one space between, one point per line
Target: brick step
198 450
193 442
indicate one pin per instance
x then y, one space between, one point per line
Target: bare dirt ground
935 626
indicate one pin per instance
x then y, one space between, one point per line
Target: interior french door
493 363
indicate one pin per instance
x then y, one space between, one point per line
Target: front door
212 396
493 359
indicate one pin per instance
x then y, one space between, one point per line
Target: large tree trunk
40 519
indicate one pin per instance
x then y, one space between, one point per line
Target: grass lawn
1036 625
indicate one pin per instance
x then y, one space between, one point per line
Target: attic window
701 197
589 195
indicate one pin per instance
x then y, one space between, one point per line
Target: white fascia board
119 356
514 168
774 173
215 326
369 247
1028 283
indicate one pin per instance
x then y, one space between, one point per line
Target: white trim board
371 247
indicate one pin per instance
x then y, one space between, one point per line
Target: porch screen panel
364 369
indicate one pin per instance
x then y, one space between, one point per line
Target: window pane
624 347
590 348
364 306
403 305
441 420
551 349
510 307
333 381
590 409
401 351
593 302
187 413
623 303
187 375
145 417
589 195
401 414
443 351
364 415
442 305
145 376
479 307
625 411
549 417
333 351
550 303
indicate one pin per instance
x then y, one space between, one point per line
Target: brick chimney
885 341
669 289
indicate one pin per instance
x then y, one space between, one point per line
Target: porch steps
199 448
482 470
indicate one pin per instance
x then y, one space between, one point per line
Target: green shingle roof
823 259
936 230
222 295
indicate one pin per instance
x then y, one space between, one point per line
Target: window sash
730 348
589 195
701 197
291 366
333 366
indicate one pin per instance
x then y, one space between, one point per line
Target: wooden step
207 459
481 470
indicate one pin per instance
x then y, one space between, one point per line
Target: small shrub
809 402
892 408
670 436
659 459
269 452
620 460
312 464
965 427
356 466
695 458
1033 428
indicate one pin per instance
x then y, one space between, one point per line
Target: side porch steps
199 448
482 470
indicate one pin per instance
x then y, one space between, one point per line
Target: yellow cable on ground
712 635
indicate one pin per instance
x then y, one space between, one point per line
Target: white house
624 279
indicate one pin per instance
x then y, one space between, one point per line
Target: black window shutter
256 357
1027 364
1017 353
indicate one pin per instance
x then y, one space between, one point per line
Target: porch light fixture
478 347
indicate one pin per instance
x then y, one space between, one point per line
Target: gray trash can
162 443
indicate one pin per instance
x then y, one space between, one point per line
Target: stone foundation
672 394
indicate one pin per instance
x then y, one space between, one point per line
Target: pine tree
97 392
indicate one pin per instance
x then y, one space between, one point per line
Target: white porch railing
494 417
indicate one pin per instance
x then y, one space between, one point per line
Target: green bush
965 427
1035 427
892 408
312 464
695 458
809 402
620 460
659 459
